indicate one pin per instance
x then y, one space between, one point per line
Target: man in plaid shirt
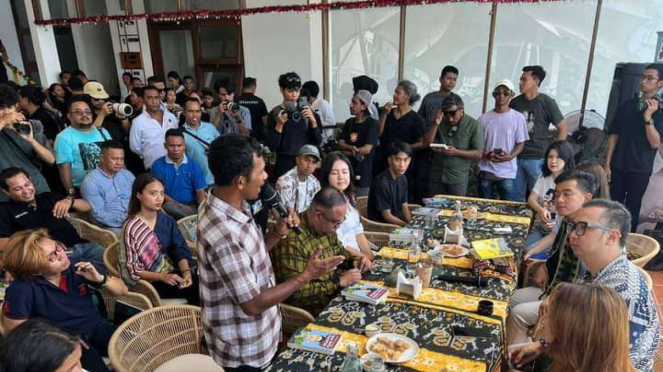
318 224
238 292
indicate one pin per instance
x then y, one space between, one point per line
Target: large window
363 42
455 34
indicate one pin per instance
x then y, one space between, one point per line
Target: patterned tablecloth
443 319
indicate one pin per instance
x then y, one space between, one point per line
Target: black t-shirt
409 128
633 152
360 134
114 127
387 193
52 124
294 134
16 216
258 110
539 114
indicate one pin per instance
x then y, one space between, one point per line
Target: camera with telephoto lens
123 108
294 111
232 106
23 127
642 106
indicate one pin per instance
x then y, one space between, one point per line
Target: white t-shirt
544 186
350 228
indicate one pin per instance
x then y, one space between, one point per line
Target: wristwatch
650 122
71 192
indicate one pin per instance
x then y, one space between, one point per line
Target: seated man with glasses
572 189
77 148
318 231
463 137
598 237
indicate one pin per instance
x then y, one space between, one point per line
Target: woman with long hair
152 247
358 140
603 188
56 99
595 343
337 173
171 104
47 284
558 158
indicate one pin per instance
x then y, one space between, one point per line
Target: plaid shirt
291 256
234 269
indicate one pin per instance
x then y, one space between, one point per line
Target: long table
443 320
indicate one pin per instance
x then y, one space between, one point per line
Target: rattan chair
294 318
378 240
658 359
137 300
642 245
155 336
362 207
112 263
93 233
187 226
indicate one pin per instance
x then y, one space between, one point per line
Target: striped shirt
234 269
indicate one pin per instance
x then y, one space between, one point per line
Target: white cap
507 83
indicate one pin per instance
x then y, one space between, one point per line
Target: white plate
406 356
464 251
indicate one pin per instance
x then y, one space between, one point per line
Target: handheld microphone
479 281
270 199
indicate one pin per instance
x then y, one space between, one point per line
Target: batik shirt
645 328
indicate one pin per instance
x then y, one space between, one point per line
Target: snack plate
407 355
462 250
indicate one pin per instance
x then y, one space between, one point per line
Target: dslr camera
294 111
123 108
232 106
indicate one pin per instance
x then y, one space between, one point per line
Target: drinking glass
413 255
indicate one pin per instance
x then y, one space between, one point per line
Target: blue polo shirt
197 150
68 305
180 182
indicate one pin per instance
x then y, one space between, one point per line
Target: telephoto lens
123 108
232 106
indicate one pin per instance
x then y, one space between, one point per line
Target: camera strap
202 141
102 134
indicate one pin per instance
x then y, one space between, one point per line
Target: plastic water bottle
351 363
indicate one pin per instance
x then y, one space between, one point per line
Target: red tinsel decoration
238 13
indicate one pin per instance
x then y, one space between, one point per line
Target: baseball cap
507 83
309 150
95 90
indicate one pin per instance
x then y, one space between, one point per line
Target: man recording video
228 116
292 124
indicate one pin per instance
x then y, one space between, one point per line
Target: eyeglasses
53 256
334 223
648 77
580 227
82 113
501 93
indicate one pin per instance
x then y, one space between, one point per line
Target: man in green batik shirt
318 224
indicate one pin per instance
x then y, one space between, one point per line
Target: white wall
278 43
9 37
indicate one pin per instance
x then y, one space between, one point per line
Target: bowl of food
371 330
392 347
372 362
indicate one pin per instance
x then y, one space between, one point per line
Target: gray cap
309 150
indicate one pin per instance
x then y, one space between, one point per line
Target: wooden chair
93 233
377 239
642 245
294 318
187 226
112 263
658 359
362 207
155 336
647 277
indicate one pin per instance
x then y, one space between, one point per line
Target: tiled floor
657 277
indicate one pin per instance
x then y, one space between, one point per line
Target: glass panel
633 41
66 48
554 35
58 9
212 75
177 51
363 42
456 34
94 7
20 14
218 42
158 6
211 5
